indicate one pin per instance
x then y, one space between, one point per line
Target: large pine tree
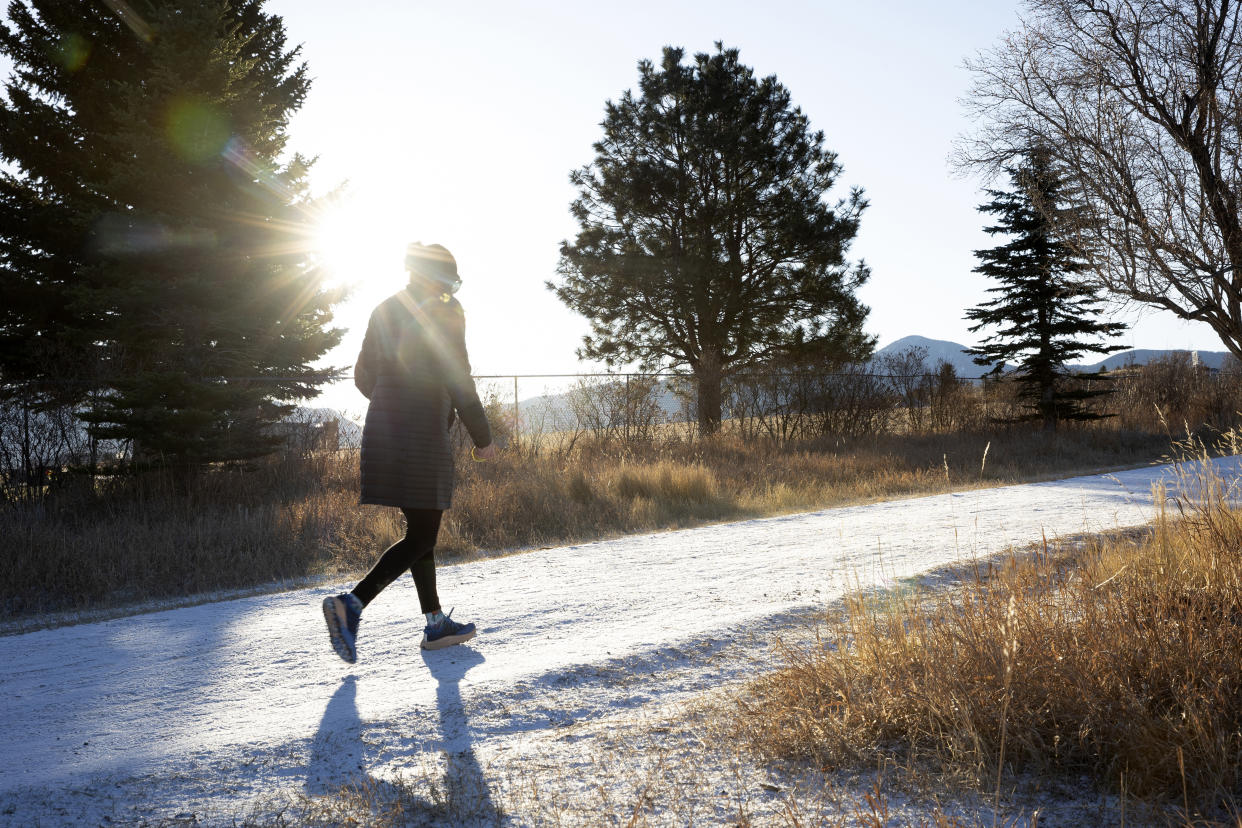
707 237
1045 313
153 246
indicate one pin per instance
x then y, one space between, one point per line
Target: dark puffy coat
414 369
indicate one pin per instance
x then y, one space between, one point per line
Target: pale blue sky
459 123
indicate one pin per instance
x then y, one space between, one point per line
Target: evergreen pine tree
1045 314
153 248
706 235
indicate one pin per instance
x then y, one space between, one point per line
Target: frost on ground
575 703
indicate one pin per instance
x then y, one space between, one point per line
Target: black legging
415 552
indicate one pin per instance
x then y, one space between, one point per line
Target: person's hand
488 452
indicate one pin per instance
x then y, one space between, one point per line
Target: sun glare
359 242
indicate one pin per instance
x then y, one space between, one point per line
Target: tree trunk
709 375
1047 406
27 466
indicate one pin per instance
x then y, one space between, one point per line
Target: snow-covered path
165 710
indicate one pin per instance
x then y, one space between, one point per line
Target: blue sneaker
343 612
446 633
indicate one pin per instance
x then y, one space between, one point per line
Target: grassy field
1117 658
139 538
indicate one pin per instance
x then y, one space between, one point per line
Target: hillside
954 354
938 350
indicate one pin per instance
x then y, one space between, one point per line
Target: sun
360 244
358 241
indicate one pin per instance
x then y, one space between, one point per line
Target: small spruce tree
1045 313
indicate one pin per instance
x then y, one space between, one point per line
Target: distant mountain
955 354
938 350
1212 359
550 412
553 412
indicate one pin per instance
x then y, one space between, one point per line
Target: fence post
625 410
517 413
27 465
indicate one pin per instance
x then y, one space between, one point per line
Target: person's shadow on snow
465 786
338 755
337 751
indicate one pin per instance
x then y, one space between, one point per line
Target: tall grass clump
1121 660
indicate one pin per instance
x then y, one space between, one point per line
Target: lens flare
126 235
243 158
197 130
131 18
73 51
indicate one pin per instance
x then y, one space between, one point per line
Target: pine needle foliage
1045 312
706 235
154 246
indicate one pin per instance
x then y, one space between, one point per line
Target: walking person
415 371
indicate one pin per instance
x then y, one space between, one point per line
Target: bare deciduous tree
909 379
622 409
1141 103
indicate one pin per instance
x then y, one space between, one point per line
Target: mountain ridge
955 354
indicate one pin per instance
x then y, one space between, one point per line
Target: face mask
449 286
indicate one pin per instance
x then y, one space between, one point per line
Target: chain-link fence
555 412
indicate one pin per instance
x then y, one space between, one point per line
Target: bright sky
459 123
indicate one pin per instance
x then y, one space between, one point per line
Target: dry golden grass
139 539
285 519
1121 659
609 489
